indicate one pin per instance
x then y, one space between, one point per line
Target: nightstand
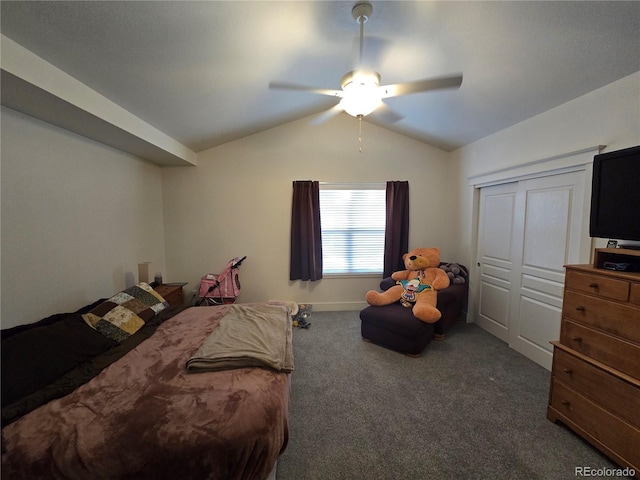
172 293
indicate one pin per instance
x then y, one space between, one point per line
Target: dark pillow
9 332
36 357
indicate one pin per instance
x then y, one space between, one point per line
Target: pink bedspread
146 417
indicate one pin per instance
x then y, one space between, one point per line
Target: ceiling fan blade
304 88
327 114
398 89
385 114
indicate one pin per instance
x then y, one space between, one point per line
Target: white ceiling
199 71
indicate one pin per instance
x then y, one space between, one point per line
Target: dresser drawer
634 295
618 319
598 284
612 393
604 428
611 351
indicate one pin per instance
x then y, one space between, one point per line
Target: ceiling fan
361 92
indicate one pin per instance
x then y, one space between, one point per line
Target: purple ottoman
389 326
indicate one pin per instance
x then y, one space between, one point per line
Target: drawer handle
566 403
567 370
576 339
593 285
580 308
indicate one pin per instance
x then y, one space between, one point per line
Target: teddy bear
417 286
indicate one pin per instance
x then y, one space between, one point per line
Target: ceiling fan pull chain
360 132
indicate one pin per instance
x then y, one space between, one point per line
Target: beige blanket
249 335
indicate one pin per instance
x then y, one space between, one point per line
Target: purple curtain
306 239
396 238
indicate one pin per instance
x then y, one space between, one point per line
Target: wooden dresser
595 383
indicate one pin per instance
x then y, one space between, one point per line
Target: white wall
237 201
77 217
607 116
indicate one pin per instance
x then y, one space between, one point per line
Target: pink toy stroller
221 289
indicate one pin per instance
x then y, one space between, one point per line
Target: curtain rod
353 183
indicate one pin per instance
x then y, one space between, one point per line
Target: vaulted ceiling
200 71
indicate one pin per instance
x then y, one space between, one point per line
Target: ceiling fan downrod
361 13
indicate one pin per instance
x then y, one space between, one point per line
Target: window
353 220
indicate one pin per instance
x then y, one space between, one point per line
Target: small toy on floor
302 323
300 320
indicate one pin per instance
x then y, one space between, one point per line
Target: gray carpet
469 408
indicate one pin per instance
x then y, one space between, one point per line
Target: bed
170 400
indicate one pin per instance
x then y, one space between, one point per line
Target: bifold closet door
528 231
495 257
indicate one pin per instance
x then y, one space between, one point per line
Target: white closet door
528 231
495 239
547 234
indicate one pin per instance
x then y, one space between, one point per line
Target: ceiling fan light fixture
359 102
361 93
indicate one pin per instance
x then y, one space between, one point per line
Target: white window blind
352 217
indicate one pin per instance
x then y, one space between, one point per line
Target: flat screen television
615 196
